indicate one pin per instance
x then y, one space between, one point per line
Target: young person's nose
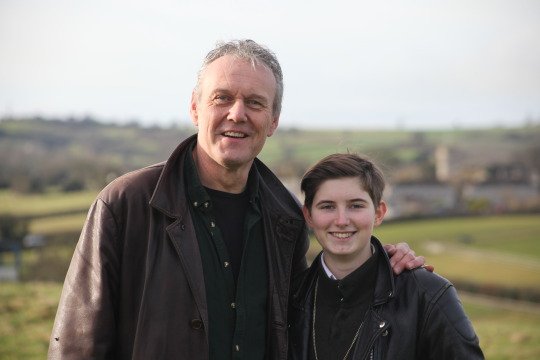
342 217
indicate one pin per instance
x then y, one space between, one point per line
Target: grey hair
254 53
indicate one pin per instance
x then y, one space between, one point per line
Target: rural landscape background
466 199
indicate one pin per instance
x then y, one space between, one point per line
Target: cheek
320 221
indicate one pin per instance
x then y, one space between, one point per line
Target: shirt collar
197 194
327 270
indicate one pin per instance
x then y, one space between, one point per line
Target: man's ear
307 215
273 126
193 108
380 212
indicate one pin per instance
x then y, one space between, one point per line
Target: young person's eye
326 207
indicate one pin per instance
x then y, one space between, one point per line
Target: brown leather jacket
135 286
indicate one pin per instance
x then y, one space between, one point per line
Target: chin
341 252
235 162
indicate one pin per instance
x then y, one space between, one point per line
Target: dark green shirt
236 309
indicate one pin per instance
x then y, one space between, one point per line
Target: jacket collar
169 195
384 286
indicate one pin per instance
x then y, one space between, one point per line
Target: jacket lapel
169 198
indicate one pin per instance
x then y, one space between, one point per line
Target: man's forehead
230 71
230 64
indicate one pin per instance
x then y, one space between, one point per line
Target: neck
218 177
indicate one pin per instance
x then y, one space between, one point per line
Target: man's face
342 217
233 111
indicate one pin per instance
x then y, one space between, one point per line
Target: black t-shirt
230 211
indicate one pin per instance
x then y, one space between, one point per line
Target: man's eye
221 99
254 104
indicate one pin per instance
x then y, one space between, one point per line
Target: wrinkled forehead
238 75
236 65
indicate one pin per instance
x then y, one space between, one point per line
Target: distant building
502 197
413 199
508 173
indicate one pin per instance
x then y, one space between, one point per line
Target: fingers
418 261
429 268
401 255
407 261
390 249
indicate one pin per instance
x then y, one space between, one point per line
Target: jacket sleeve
447 332
299 256
85 325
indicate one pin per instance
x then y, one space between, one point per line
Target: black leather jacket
416 315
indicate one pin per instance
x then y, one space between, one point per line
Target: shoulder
274 192
431 283
427 285
440 299
137 184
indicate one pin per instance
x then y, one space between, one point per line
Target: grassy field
492 250
44 204
506 332
496 250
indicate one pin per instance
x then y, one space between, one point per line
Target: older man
192 258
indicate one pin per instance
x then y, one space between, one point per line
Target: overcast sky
347 64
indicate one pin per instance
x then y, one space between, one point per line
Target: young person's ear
307 215
380 212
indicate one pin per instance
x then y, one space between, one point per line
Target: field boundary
502 303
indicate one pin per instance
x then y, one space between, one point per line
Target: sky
347 64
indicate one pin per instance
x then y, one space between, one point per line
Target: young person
349 304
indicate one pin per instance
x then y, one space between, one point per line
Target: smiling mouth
234 134
342 235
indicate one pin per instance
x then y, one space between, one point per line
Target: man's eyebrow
220 90
249 96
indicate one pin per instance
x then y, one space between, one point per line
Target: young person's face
342 217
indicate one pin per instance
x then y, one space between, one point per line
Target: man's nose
237 111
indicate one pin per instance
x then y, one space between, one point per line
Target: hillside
37 154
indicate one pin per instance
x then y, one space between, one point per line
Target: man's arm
403 257
85 325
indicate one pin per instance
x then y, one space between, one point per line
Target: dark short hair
253 52
338 166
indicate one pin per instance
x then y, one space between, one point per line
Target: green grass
499 250
58 224
27 313
42 204
505 332
496 250
313 145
